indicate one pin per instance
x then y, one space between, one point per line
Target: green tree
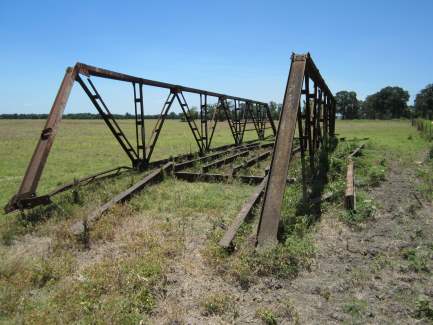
193 113
275 110
389 102
220 115
172 115
424 102
347 104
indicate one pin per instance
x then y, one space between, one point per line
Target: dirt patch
30 246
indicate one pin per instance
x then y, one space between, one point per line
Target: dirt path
370 275
365 276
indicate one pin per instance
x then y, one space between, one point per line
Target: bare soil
368 264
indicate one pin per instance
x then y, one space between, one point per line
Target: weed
417 259
217 304
359 277
283 260
424 308
267 316
356 308
376 175
242 272
325 293
10 229
380 262
288 311
365 209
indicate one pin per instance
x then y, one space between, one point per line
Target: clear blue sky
235 47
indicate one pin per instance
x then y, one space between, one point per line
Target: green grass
267 316
424 308
57 280
143 236
84 147
425 127
357 309
395 136
218 303
388 142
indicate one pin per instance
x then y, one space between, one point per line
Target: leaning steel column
34 170
273 198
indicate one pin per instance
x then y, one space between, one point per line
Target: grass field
85 147
46 276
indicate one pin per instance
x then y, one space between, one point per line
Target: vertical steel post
273 197
39 158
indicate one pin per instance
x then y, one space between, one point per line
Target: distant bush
425 127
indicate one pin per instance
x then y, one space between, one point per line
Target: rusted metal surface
225 178
109 120
273 198
251 162
190 163
89 70
236 116
316 123
88 179
225 160
180 158
155 176
242 216
258 158
27 190
140 154
214 177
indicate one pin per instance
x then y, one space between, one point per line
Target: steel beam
88 179
189 163
316 119
103 73
212 177
156 176
251 162
27 190
245 212
225 160
273 198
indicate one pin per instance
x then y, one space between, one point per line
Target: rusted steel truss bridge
308 107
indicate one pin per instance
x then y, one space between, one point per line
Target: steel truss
314 117
239 112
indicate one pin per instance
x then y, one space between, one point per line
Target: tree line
387 103
79 116
274 108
